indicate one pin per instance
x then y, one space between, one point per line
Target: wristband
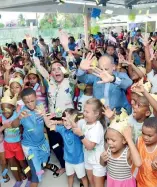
82 137
114 79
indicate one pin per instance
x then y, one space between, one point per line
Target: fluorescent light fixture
109 11
78 2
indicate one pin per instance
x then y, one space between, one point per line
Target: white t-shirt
82 101
153 80
94 133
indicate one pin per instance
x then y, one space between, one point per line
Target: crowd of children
94 107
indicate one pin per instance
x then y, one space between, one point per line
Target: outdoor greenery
56 20
2 25
21 20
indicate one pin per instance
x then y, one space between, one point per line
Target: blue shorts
39 156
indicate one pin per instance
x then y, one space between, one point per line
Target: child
27 61
147 147
91 133
119 155
16 85
36 82
73 150
141 111
34 143
19 73
88 94
13 149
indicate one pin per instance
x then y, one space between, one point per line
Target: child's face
30 101
115 140
15 88
26 56
33 79
134 99
67 125
110 50
141 111
7 110
57 73
149 135
90 115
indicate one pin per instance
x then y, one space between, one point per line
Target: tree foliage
21 20
55 20
2 25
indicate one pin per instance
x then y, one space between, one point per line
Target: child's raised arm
134 155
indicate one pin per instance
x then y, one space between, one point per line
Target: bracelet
114 79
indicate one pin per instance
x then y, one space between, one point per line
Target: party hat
17 80
32 71
8 100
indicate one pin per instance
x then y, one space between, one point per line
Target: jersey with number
81 102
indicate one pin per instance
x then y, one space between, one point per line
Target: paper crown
120 122
32 71
19 70
17 80
8 100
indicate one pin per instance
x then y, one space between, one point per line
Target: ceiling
119 7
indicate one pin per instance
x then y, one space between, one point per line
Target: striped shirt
118 168
41 97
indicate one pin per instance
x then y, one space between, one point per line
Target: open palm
104 75
86 64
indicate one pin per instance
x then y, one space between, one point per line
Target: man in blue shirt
113 89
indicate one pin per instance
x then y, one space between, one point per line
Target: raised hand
7 66
23 114
63 36
138 87
86 64
108 112
127 133
133 48
29 41
103 74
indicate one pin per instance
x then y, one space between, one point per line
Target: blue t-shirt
11 135
33 133
73 148
72 46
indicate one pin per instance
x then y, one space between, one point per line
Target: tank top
118 168
146 175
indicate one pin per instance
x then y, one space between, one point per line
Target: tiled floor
48 180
